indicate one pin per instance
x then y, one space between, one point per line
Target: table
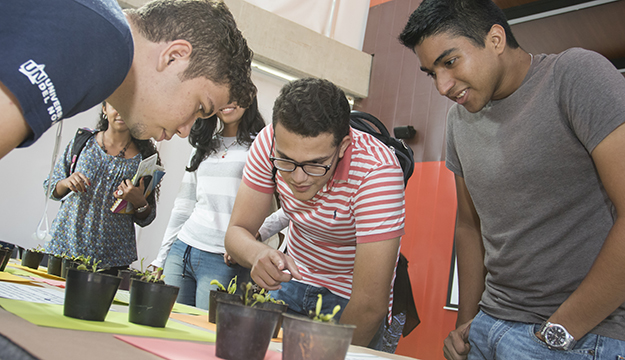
20 339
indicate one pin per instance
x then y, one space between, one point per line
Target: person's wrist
143 208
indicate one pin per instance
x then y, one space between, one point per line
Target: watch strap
569 342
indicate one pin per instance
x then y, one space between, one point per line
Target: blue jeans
491 338
302 298
192 270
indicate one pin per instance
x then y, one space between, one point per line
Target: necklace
122 153
531 59
223 142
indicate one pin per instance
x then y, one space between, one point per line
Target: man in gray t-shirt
536 145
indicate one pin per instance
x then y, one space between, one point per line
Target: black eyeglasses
310 169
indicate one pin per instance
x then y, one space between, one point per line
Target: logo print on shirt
37 75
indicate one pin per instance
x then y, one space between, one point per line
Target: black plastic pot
68 264
55 263
126 276
32 259
304 339
5 258
151 303
88 295
278 307
4 253
243 332
215 295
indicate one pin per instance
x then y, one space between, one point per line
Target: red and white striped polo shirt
363 202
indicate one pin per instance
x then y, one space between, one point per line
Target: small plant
232 285
254 294
265 297
317 316
38 249
87 265
150 276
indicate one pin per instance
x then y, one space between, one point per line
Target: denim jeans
302 298
491 338
192 270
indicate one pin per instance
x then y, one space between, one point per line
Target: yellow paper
116 322
5 276
39 273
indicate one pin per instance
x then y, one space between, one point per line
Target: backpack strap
80 139
370 124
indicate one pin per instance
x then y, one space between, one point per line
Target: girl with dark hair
85 225
192 252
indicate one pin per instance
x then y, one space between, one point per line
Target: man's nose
185 129
298 175
444 82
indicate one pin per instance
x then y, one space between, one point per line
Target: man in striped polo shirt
343 191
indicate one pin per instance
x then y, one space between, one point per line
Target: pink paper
58 283
180 350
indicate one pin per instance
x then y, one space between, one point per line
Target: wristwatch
556 336
142 209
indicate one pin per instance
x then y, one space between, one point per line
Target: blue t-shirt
62 57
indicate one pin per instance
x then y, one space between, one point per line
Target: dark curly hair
472 19
220 53
310 106
202 136
146 148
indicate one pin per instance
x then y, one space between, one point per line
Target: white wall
23 170
346 24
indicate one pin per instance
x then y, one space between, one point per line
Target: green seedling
317 316
264 296
232 285
38 249
248 291
150 276
86 266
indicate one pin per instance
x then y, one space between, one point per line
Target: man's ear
175 53
496 38
344 144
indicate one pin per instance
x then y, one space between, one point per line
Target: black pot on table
278 307
5 255
88 295
236 322
32 259
67 264
151 303
55 263
215 295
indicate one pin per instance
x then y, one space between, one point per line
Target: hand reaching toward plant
272 267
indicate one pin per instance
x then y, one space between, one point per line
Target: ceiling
551 26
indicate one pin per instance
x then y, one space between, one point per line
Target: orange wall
430 217
399 95
377 2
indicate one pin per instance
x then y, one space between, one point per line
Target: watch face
555 336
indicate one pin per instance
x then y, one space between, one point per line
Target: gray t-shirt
526 161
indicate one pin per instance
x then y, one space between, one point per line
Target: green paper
116 322
186 309
123 297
